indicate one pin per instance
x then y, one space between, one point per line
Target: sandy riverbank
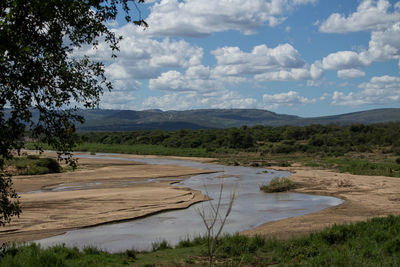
101 191
120 190
365 197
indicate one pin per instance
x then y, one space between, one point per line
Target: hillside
130 120
127 120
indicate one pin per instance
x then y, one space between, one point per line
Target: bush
51 164
398 160
278 185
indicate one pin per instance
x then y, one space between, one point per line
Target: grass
375 242
278 185
137 149
34 255
361 166
33 165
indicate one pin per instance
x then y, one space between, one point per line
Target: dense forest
331 139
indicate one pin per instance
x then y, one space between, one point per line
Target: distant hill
130 120
127 120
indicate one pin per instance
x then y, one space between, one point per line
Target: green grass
33 165
360 166
139 149
33 255
278 185
375 242
372 243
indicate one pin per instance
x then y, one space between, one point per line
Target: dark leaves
37 72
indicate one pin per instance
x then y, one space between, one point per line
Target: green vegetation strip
33 165
278 185
375 242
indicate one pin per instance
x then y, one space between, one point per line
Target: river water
251 208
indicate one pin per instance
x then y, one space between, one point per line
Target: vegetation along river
251 208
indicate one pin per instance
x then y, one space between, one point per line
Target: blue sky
302 57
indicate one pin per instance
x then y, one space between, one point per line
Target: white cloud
196 78
345 60
284 75
379 90
290 98
231 61
350 73
235 66
141 57
385 45
370 15
325 96
194 100
196 18
118 100
283 55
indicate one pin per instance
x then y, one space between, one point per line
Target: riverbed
251 208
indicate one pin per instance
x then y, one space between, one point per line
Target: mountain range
128 120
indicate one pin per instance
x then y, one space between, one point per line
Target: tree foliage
38 71
331 139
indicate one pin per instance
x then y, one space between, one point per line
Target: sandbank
364 197
100 191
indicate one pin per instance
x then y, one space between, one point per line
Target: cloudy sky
302 57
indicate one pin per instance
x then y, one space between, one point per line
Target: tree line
335 139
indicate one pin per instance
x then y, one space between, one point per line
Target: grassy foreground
375 242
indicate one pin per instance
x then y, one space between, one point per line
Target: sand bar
101 191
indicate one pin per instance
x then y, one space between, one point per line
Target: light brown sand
365 197
119 191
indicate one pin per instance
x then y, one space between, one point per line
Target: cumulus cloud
345 60
234 66
193 100
118 100
141 57
385 45
197 18
281 63
350 73
370 15
284 75
260 59
290 98
384 24
195 79
379 90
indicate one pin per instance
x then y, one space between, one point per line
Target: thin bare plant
214 220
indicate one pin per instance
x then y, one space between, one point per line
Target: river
251 208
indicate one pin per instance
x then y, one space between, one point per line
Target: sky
301 57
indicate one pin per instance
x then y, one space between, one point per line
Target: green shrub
51 164
278 185
160 245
